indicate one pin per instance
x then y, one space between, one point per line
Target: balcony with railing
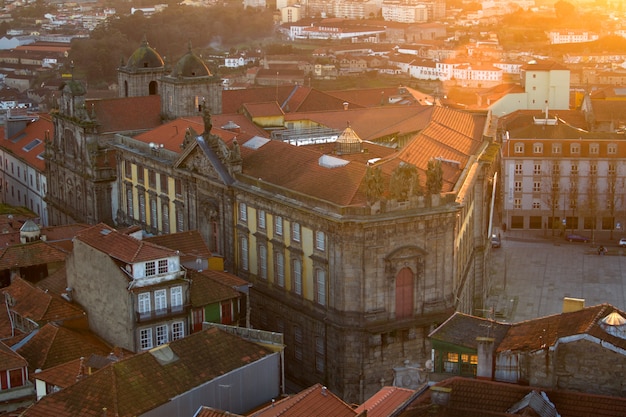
160 314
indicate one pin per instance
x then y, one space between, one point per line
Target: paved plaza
532 273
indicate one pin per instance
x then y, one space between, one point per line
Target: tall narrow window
244 254
165 218
320 354
160 301
261 217
143 303
145 339
140 173
320 241
297 276
142 207
295 232
180 219
176 298
278 225
161 335
153 213
280 269
164 184
320 286
129 203
178 330
243 212
263 262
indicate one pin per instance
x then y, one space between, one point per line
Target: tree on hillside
564 9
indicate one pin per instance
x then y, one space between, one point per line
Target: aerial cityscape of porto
318 208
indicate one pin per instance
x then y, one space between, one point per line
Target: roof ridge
300 398
596 318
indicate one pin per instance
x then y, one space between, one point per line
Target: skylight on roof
40 156
328 161
32 144
256 142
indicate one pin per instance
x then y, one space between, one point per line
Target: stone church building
355 251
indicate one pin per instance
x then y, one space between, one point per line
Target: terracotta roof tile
188 243
208 287
314 401
29 254
122 247
134 385
55 283
211 412
126 114
35 304
36 130
10 359
386 401
479 398
462 329
53 345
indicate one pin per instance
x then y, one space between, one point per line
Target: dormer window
150 269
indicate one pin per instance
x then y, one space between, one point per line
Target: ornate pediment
198 162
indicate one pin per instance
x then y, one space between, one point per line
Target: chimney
345 105
485 358
573 304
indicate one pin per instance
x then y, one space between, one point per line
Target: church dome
145 57
190 65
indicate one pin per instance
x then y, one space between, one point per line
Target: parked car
622 242
577 238
495 241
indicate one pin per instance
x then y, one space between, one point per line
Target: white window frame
320 240
278 225
536 186
280 269
162 266
295 232
176 298
538 148
556 148
160 301
150 268
297 276
263 261
575 148
143 303
178 330
519 168
145 339
517 203
161 333
594 148
518 186
519 147
321 285
611 149
537 169
243 212
244 254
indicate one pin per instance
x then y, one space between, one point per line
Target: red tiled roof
33 131
62 375
10 359
53 345
385 402
207 288
29 254
211 412
122 247
188 243
314 401
479 398
266 109
132 386
126 114
35 304
55 283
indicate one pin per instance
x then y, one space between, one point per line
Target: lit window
150 268
161 335
320 241
145 339
295 232
178 330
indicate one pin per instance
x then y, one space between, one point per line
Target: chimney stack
485 358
